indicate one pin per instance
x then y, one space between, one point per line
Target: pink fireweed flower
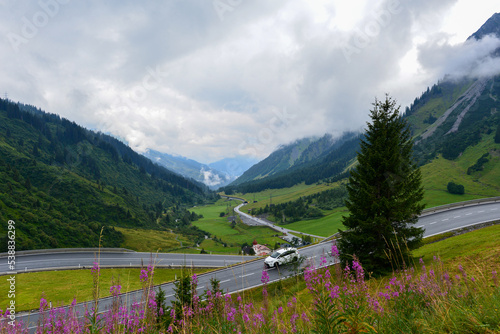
43 303
265 277
335 250
95 269
347 272
258 317
385 295
360 273
334 293
144 275
194 280
327 274
172 313
464 274
115 290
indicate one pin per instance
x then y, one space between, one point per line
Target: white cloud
472 58
185 78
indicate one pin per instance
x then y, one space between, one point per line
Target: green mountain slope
460 145
62 183
306 160
471 116
300 151
330 165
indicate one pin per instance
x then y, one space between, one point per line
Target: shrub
454 188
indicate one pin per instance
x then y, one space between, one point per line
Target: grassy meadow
221 228
60 287
143 240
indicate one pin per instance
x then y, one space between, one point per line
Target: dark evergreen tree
183 292
384 194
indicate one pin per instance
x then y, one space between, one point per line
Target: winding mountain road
239 276
258 221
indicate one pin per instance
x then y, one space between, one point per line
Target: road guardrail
460 205
69 250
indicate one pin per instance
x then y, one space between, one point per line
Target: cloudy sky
209 79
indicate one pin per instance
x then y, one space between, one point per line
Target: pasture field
60 287
232 237
144 240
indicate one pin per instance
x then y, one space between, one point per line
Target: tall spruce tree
384 194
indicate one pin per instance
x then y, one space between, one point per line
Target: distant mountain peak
491 26
214 175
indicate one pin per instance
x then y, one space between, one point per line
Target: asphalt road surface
262 222
72 260
456 218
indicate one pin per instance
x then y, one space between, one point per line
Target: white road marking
468 214
224 281
481 211
457 216
246 275
420 226
445 219
432 223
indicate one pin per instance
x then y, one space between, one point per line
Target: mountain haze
214 175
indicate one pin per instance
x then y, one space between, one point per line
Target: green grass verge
479 246
324 226
60 287
142 240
